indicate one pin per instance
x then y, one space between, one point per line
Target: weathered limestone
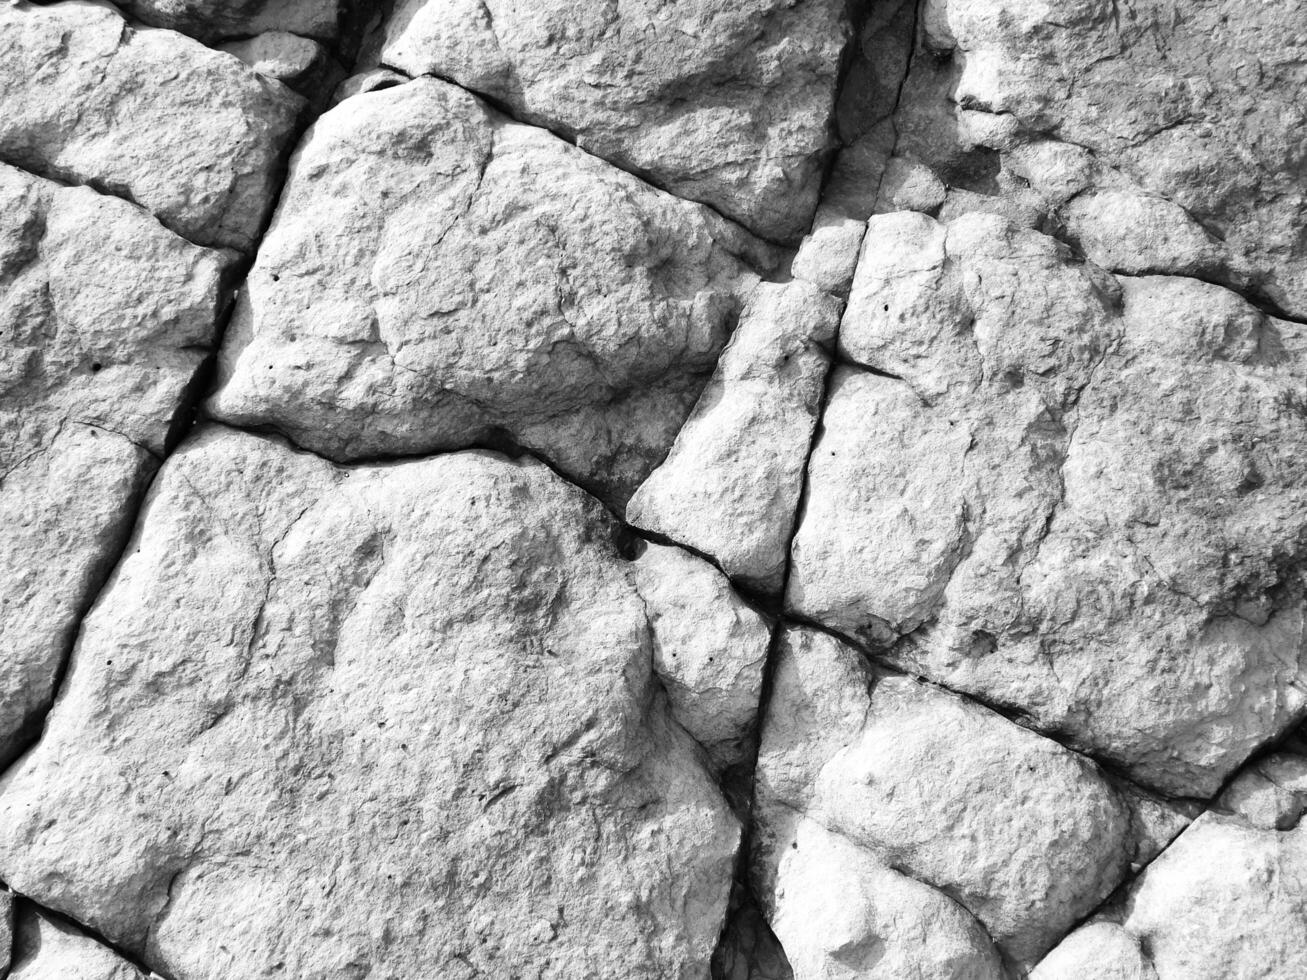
46 949
105 316
1162 138
397 720
1175 922
709 651
437 275
728 104
214 22
191 134
1078 498
881 777
730 485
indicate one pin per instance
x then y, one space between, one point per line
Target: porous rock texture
749 491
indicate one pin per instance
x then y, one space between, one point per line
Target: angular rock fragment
1271 794
392 720
105 316
730 485
214 22
889 786
709 650
437 276
1226 899
728 104
46 949
302 65
190 134
1081 499
1164 138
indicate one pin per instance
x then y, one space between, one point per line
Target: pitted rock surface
776 490
728 104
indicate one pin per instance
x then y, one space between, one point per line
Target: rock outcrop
782 490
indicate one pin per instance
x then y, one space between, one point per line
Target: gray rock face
924 808
437 274
91 100
214 22
396 720
731 483
728 104
105 317
46 949
1075 497
709 651
1163 137
1175 922
774 490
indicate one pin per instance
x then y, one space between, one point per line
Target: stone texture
1176 921
728 104
392 720
730 486
214 22
1271 794
436 275
924 808
189 133
105 316
1162 137
1079 497
709 648
47 949
783 490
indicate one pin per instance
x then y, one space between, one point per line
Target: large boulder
190 134
105 317
397 720
437 275
728 104
1080 498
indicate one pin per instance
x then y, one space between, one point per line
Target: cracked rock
728 104
236 19
437 276
46 949
1076 497
730 485
105 317
91 100
709 651
393 720
1163 137
926 808
1175 921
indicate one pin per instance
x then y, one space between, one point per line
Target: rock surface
92 100
46 949
105 317
924 808
214 22
728 104
1079 497
730 485
775 490
437 274
1162 137
395 720
1175 922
